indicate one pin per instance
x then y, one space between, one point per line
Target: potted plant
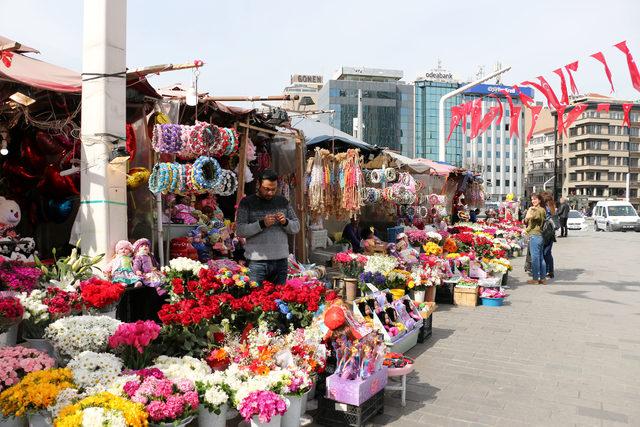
131 341
11 312
263 408
214 398
350 265
100 296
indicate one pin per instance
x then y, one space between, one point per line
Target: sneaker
550 275
543 282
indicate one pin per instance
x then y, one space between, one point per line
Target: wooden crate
465 297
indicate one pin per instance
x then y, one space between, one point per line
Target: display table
401 383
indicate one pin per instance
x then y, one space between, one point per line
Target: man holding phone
265 220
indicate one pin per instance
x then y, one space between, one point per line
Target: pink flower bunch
264 404
417 236
163 399
145 372
492 293
19 278
18 361
138 335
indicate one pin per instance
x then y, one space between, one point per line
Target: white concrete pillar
493 157
103 196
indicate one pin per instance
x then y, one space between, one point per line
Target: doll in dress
120 268
145 267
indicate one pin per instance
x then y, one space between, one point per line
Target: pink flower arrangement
131 341
18 361
264 404
163 399
19 278
492 293
417 236
350 264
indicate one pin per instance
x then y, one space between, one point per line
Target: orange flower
450 245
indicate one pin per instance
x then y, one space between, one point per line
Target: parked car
614 216
576 221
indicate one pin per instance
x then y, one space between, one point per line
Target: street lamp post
544 186
441 148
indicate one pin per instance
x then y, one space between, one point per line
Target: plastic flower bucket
492 302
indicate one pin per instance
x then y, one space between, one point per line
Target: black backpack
548 231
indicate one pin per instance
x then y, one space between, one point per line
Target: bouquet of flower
132 340
431 273
105 410
296 382
71 336
449 245
431 248
381 264
11 312
163 399
497 265
377 279
186 367
483 246
434 237
183 268
213 390
397 279
349 263
264 404
464 241
100 295
417 236
492 293
67 272
35 392
43 306
18 278
467 282
94 372
18 361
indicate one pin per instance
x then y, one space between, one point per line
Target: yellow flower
411 284
134 413
431 248
453 255
35 392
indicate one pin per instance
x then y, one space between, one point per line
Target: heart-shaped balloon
31 157
58 211
47 144
54 185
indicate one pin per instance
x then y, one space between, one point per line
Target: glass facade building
387 107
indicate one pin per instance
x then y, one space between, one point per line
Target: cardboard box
355 392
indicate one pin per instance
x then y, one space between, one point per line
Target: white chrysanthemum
380 264
92 417
215 396
73 335
66 397
95 371
186 264
187 367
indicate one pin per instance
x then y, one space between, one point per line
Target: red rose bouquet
100 295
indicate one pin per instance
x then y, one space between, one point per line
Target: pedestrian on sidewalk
534 219
550 213
265 220
563 215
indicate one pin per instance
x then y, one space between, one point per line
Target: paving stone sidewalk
563 354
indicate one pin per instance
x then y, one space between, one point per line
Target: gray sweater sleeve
293 225
243 227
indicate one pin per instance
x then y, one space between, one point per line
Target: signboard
307 79
439 76
484 89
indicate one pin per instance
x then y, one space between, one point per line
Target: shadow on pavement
582 294
437 335
417 395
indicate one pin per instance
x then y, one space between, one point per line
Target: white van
612 216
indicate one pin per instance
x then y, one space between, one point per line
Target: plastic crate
426 330
333 413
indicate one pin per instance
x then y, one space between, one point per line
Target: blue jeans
273 270
538 267
548 258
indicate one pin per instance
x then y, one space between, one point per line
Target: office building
494 154
387 106
594 158
306 87
539 161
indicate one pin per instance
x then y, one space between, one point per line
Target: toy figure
406 319
145 267
9 217
120 268
388 324
410 310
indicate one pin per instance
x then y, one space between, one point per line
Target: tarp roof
414 165
17 47
318 134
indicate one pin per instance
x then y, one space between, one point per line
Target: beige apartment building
539 161
594 158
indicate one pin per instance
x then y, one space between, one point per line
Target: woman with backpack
534 219
550 207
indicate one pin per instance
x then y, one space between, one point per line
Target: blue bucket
492 302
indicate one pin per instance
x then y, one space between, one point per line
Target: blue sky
252 47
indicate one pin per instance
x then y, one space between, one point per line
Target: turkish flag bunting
546 90
476 113
563 86
488 119
526 100
535 112
508 98
603 107
514 115
573 115
456 117
633 68
500 109
560 113
466 110
572 67
626 108
600 57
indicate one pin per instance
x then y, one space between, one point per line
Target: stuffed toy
9 217
145 266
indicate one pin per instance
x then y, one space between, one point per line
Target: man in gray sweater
264 220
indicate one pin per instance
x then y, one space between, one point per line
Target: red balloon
65 140
67 156
54 185
47 144
17 173
31 157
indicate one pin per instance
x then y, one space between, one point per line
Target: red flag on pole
514 114
600 57
456 117
560 113
476 113
488 119
526 100
563 86
633 68
500 109
573 115
626 108
535 112
547 91
603 107
466 110
572 67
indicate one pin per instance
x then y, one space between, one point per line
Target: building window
573 177
497 168
506 182
488 168
497 183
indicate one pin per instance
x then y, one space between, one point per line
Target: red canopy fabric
438 168
40 74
